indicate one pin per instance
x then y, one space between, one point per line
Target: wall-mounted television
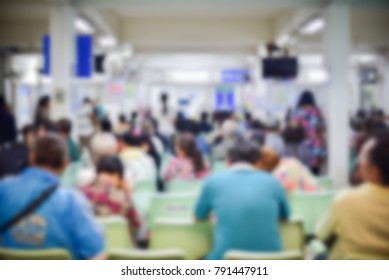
280 67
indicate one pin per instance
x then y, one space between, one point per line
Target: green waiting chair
326 183
171 254
69 176
195 239
145 187
117 235
310 207
243 255
43 254
292 236
185 186
173 205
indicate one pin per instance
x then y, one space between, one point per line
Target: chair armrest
284 255
135 254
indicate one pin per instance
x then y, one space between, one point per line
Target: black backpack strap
29 209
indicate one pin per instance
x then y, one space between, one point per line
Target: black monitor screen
99 63
280 67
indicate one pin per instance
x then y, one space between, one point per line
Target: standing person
357 222
188 163
293 136
85 119
8 131
63 218
65 130
309 116
42 112
165 116
248 204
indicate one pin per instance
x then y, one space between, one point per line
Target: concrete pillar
336 39
62 34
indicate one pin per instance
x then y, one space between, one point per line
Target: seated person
139 166
65 129
110 193
189 163
122 126
229 132
248 204
273 138
357 222
102 144
62 220
290 172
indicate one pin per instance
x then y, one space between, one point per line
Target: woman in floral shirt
110 194
308 115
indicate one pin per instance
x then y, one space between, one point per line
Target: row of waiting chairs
171 239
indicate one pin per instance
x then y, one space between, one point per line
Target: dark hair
257 125
244 151
306 99
87 100
132 140
106 125
187 143
47 125
258 137
50 150
111 165
204 116
379 155
145 139
64 126
122 118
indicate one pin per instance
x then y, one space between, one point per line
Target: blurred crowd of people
267 158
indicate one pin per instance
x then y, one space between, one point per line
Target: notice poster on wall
225 98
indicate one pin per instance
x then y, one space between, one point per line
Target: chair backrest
292 235
310 207
173 205
144 186
326 183
284 255
185 186
116 231
43 254
195 239
171 254
219 166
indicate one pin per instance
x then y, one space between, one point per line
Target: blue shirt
248 205
63 221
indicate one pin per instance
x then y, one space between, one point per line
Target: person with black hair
63 219
8 132
188 164
166 114
42 111
357 222
309 116
106 125
110 193
139 165
122 125
248 204
205 125
86 120
65 130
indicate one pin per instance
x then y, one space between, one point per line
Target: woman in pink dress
188 164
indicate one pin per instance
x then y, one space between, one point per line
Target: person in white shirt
85 121
273 138
166 114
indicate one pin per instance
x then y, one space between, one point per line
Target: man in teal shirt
248 205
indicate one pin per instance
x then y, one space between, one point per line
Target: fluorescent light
83 26
313 26
365 58
107 41
189 76
317 76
